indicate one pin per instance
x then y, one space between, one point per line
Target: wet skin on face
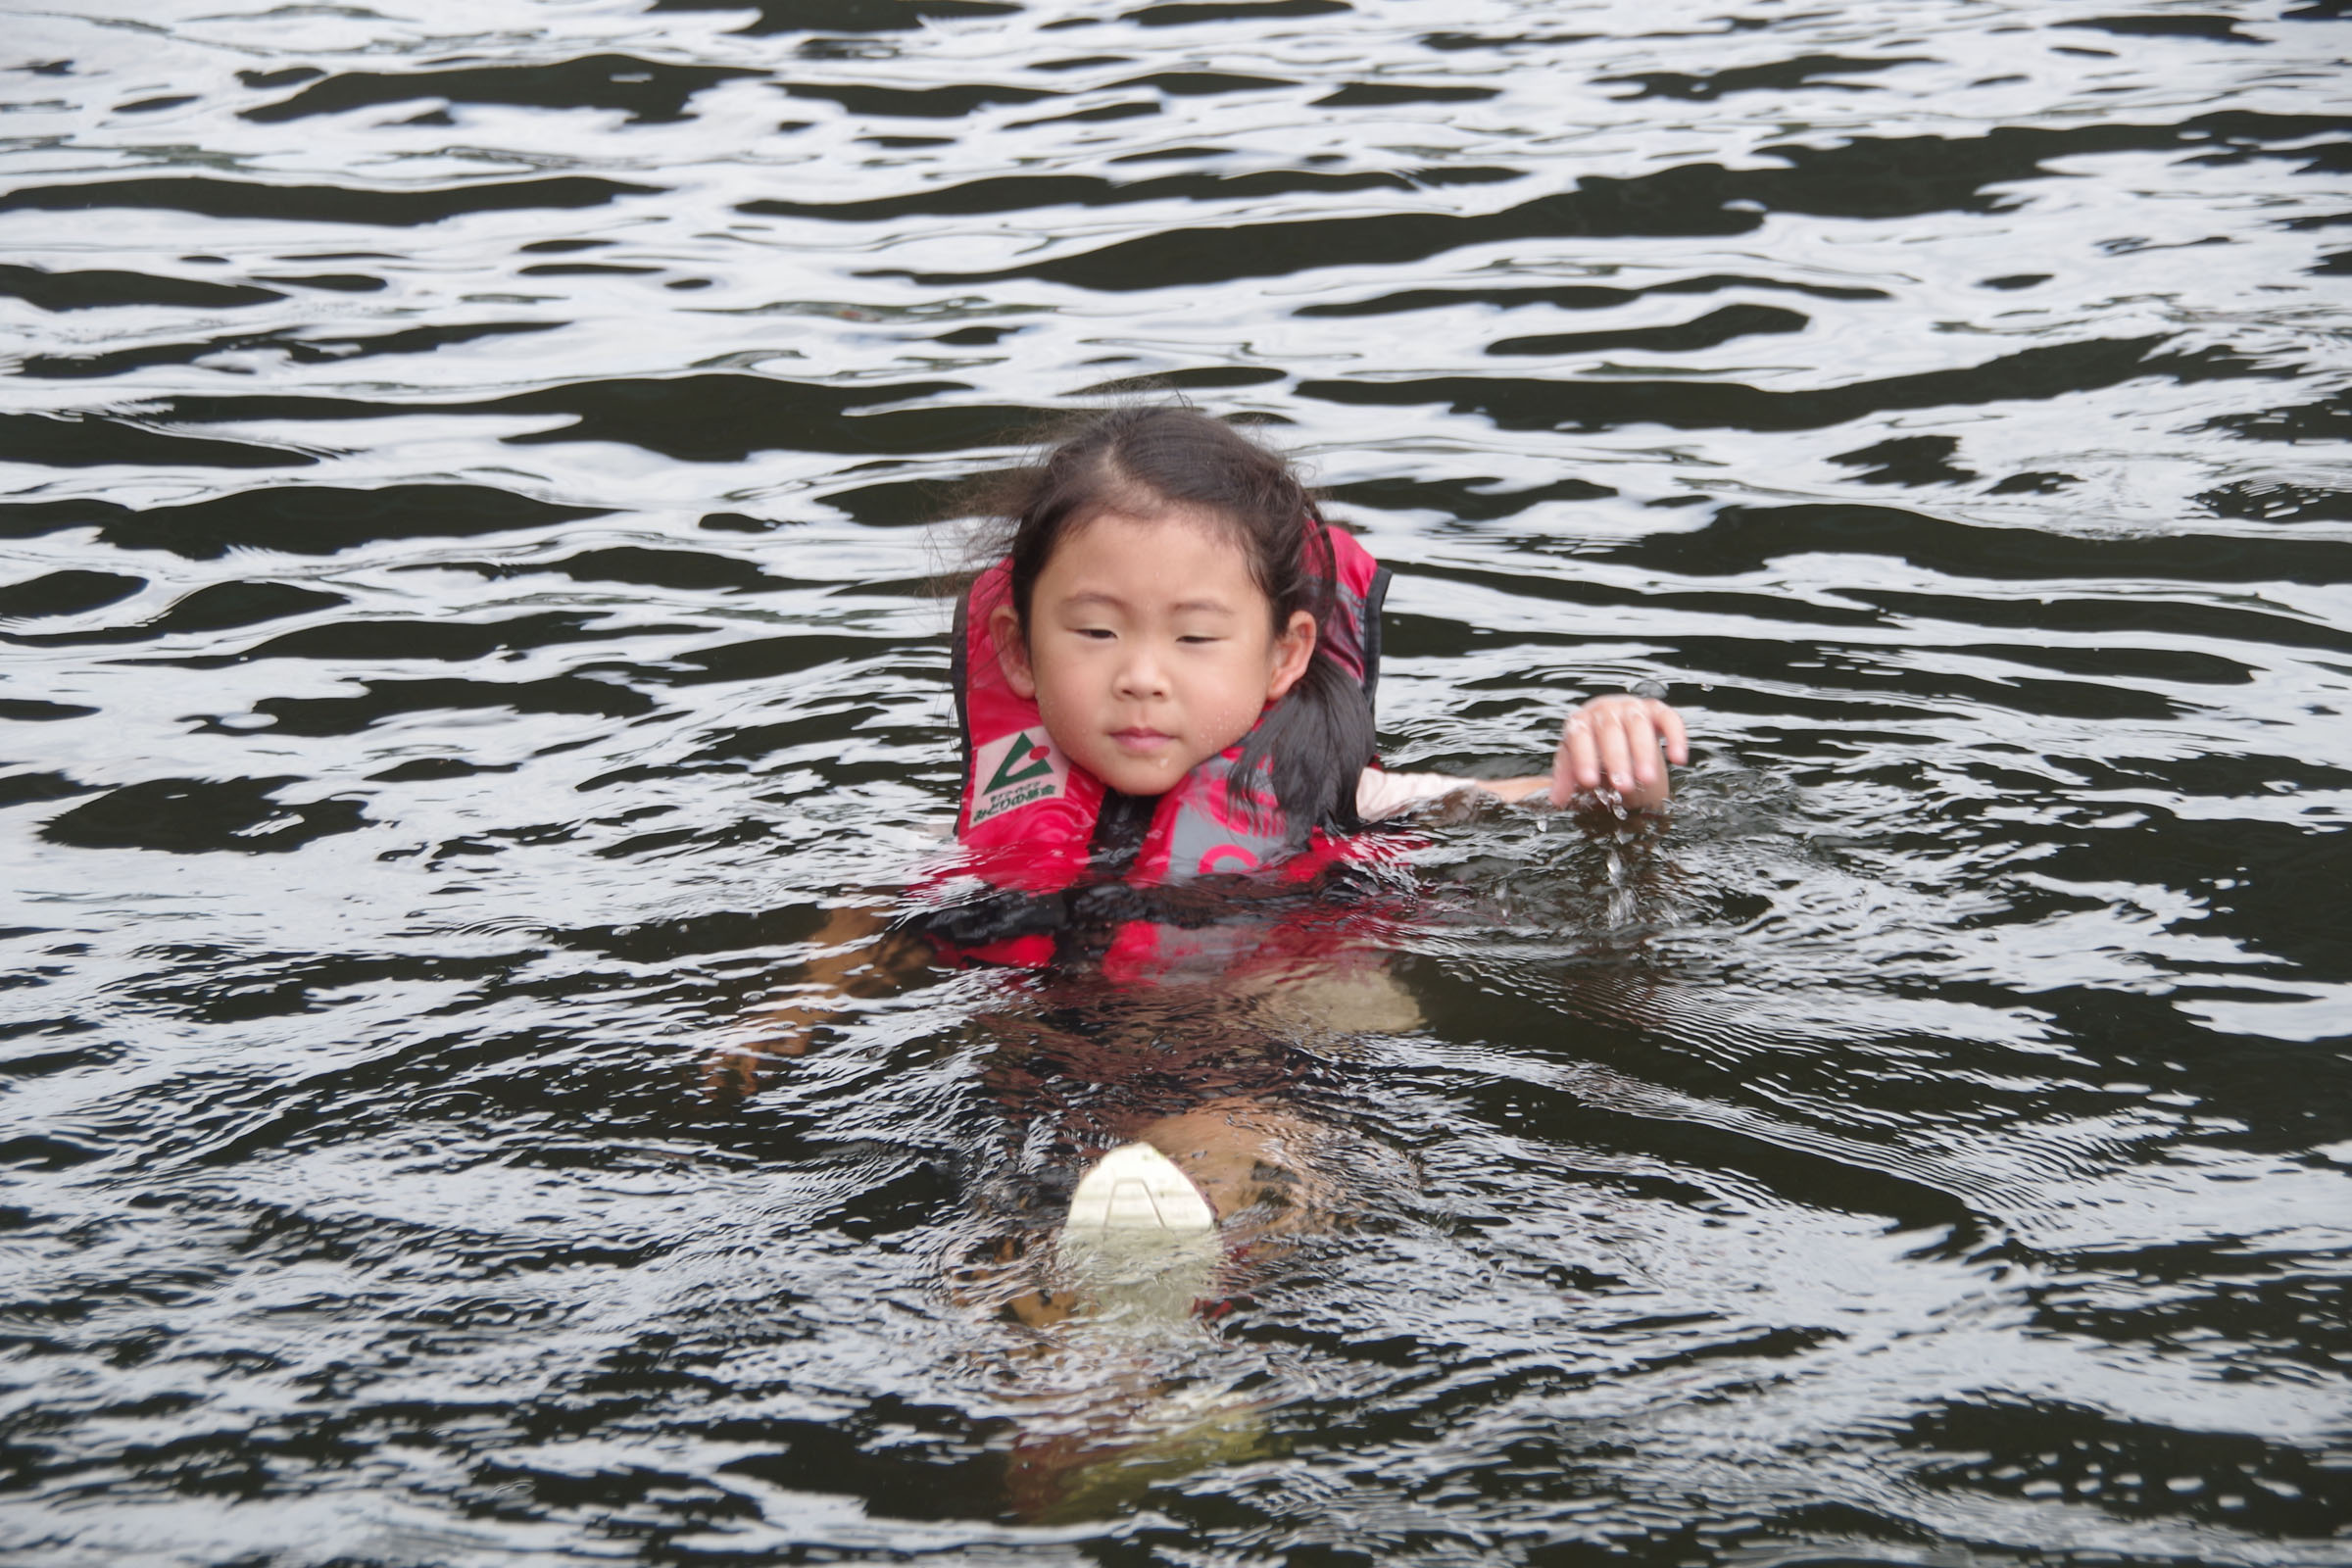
1150 647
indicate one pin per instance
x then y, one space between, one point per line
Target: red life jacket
1031 822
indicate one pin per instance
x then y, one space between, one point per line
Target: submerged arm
858 955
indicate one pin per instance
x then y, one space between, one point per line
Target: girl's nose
1142 673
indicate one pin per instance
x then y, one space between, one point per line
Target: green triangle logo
1039 761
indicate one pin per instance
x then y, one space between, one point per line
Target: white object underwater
1140 1238
1137 1188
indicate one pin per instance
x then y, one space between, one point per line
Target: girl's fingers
1616 758
1646 732
1647 725
1670 726
1575 766
1616 741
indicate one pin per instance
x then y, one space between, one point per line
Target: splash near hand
1615 742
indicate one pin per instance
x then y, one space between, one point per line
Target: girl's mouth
1140 740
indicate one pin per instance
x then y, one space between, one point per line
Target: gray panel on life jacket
1204 841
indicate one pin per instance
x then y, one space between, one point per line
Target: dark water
465 479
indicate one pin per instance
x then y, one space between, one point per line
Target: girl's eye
1101 635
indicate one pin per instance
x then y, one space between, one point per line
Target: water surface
466 487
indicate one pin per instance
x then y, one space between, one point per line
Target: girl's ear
1013 651
1293 647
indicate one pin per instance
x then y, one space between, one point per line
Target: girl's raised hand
1615 741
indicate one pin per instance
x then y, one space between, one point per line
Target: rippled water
467 483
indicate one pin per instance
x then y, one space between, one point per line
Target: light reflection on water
467 609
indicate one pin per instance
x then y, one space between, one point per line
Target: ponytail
1314 743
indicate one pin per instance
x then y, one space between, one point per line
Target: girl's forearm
855 958
1513 789
1381 794
1638 798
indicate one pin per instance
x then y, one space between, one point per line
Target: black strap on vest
1374 597
1120 828
958 673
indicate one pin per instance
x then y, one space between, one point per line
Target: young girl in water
1166 675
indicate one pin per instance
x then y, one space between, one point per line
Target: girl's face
1150 647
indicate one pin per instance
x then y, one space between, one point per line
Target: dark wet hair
1317 738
